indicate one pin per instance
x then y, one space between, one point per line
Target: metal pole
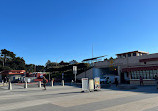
92 50
75 77
49 76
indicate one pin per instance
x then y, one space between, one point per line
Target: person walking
141 81
116 81
44 82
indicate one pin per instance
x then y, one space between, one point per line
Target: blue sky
41 30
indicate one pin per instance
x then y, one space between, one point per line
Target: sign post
75 71
62 76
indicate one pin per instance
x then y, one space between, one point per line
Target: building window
151 74
120 56
135 75
129 55
141 74
124 55
134 54
148 74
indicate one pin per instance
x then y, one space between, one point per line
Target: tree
19 63
40 68
50 64
8 61
63 63
7 55
111 58
30 68
73 62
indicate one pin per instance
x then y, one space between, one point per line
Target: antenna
92 50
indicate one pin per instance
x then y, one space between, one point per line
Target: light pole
75 71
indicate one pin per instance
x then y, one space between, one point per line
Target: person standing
116 81
44 82
5 79
141 81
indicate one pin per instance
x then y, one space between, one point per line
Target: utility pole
92 50
92 61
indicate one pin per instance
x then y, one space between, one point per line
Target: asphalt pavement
70 98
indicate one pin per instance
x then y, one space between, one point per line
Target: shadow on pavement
141 89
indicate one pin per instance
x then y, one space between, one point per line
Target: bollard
91 85
25 85
10 86
52 83
72 82
62 82
2 82
39 84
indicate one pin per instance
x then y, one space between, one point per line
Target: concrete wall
88 74
91 73
96 72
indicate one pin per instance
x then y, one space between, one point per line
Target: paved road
70 98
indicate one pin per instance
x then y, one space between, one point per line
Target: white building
128 66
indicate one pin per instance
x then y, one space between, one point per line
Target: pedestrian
107 80
116 81
5 79
141 81
44 82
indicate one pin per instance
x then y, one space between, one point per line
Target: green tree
40 68
8 61
30 68
50 64
5 54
